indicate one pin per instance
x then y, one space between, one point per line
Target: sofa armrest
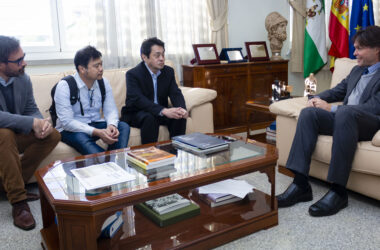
197 96
289 107
376 139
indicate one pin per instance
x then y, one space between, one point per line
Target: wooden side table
257 106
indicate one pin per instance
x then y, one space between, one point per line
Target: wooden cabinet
235 84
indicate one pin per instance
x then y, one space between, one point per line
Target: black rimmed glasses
18 61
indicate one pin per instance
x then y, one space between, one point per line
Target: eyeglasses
18 61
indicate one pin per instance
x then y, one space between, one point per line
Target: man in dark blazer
22 130
358 119
149 85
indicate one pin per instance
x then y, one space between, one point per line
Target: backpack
74 96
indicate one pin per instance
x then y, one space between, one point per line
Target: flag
315 52
338 30
361 17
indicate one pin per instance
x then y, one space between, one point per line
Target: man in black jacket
358 119
149 85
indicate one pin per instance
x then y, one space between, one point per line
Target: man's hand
112 131
319 103
103 134
175 113
42 128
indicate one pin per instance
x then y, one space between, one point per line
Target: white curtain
122 25
218 10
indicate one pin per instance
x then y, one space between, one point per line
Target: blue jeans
86 144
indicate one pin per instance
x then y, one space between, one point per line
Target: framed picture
232 55
206 53
257 51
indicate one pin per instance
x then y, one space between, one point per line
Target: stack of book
169 209
111 225
271 133
156 173
199 143
150 158
215 200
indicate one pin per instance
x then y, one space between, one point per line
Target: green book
171 217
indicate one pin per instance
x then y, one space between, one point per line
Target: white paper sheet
101 175
239 188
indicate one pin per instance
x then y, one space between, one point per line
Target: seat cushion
366 159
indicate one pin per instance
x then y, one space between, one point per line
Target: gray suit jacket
25 107
370 99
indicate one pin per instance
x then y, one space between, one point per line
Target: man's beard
19 72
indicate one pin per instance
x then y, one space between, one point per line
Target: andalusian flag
361 17
315 53
338 30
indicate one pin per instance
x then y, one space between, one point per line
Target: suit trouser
347 126
149 125
16 171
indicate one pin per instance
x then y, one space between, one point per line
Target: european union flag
361 17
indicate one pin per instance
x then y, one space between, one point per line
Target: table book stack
168 209
199 143
150 158
215 200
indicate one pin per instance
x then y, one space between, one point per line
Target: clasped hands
319 103
42 128
109 135
175 113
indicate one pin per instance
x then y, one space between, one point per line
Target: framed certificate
257 51
232 55
206 53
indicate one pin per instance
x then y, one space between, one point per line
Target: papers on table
239 188
101 175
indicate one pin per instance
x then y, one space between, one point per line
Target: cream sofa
365 174
198 103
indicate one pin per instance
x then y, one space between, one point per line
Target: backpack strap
102 90
74 93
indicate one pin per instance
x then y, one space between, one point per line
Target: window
55 29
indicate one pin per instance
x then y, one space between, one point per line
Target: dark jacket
140 92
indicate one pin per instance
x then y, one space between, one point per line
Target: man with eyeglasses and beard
22 131
81 124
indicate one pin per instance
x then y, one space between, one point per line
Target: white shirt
70 117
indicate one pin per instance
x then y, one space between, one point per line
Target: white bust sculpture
276 24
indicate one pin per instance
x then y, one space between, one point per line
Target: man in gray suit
358 119
22 131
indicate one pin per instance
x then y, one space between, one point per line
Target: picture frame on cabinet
232 55
206 53
257 51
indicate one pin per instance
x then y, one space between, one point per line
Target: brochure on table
101 175
239 188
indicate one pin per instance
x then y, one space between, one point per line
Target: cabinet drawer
282 67
222 71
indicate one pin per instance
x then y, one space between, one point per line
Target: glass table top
62 184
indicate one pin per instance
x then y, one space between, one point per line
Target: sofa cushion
42 85
342 68
365 152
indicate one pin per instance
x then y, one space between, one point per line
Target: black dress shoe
329 204
293 195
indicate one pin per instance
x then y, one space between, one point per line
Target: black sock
339 189
301 180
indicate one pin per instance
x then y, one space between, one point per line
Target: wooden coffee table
254 107
73 220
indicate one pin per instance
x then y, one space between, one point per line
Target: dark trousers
347 126
149 125
15 171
